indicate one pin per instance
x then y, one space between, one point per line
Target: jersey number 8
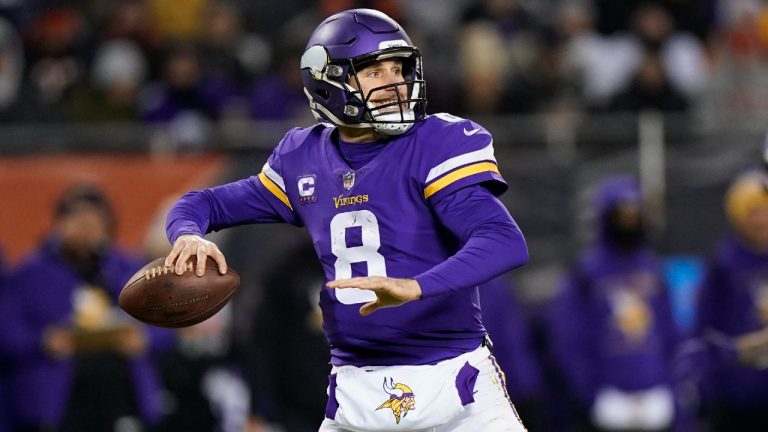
367 252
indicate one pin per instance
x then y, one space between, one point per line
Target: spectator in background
484 68
650 89
178 20
669 66
739 64
77 364
733 307
283 83
653 48
11 70
507 325
229 53
184 105
591 64
55 44
498 52
612 326
129 20
680 53
117 76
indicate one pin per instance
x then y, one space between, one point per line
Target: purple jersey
377 221
382 219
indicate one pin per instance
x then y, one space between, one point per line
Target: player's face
378 74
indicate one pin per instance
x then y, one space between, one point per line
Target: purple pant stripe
333 405
465 383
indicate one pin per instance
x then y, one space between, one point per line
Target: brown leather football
158 296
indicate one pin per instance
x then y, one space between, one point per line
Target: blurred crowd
609 351
195 64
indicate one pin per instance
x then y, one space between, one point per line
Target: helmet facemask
395 116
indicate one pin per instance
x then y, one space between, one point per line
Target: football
157 296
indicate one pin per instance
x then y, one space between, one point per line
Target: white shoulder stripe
274 176
483 154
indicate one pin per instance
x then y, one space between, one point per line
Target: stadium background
149 98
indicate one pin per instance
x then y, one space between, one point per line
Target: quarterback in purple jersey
402 210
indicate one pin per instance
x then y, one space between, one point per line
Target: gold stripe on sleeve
275 189
459 174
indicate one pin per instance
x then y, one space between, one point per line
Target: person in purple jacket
733 309
612 325
403 212
74 365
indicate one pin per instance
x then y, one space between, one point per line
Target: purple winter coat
39 294
611 324
729 303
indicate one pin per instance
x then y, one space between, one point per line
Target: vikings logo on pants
401 399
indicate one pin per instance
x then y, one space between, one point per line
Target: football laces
162 270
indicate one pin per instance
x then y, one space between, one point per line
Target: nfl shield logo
349 180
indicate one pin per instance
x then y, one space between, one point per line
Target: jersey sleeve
270 181
258 199
286 162
460 153
492 243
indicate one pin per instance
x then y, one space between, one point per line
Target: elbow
517 249
521 257
524 258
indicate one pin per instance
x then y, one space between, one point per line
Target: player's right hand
186 246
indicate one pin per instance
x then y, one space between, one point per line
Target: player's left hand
389 292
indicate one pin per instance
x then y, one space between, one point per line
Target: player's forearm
189 215
228 205
493 249
492 242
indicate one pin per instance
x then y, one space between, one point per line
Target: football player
402 208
